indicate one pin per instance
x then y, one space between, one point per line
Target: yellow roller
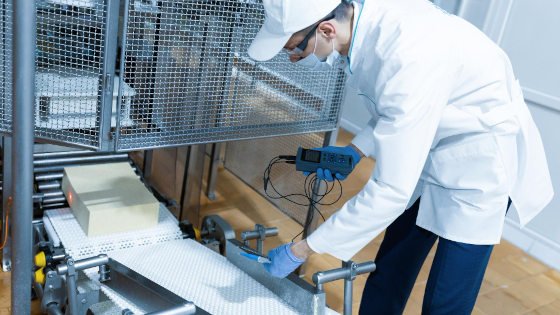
40 276
197 234
40 259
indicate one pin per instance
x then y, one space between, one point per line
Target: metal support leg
348 286
311 223
311 220
147 167
72 291
23 76
213 170
192 184
6 194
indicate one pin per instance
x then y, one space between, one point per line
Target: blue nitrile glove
326 174
283 261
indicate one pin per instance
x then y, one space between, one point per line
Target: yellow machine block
40 276
40 259
109 198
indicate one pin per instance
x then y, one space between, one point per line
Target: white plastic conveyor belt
184 267
78 245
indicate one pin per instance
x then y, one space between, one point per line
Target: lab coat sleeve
364 140
411 93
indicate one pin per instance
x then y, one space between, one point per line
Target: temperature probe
310 160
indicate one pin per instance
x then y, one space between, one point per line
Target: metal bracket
259 233
71 290
78 303
87 299
214 227
353 266
83 264
53 294
104 273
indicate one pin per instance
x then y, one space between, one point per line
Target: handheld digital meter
310 160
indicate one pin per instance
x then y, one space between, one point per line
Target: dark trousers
455 276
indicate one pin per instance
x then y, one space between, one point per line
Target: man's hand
326 174
286 258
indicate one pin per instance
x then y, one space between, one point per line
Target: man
449 124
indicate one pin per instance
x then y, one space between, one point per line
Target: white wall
541 237
355 115
548 121
528 31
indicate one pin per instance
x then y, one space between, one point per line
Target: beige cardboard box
109 198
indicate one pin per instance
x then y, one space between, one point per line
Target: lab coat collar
358 8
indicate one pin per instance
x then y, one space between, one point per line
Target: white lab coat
449 124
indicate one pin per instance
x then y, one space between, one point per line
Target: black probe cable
309 185
308 188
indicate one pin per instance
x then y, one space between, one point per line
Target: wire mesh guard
249 158
183 77
69 72
69 78
194 82
5 66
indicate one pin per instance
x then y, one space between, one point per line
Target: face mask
314 63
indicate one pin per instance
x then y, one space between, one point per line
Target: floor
515 283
